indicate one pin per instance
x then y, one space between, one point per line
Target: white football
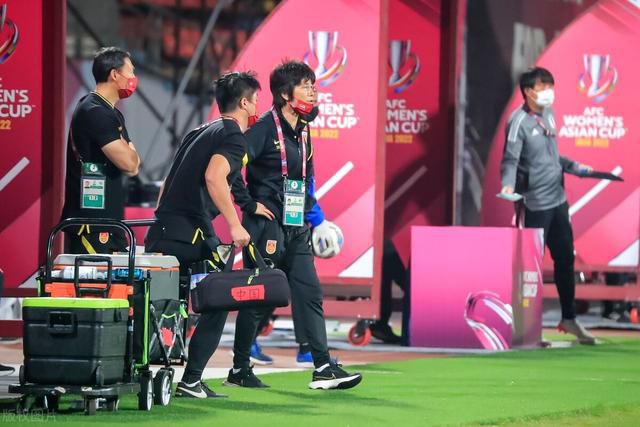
327 240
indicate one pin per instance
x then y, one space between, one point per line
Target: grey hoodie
531 164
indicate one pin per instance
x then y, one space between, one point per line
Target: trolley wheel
634 315
21 375
112 403
145 396
359 334
162 387
268 328
90 405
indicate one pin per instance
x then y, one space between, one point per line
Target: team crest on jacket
271 246
103 238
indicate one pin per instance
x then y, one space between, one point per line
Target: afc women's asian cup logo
599 78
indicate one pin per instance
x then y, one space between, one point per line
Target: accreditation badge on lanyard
294 189
93 183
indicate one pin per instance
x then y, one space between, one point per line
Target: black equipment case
75 341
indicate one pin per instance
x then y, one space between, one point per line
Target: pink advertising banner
418 155
475 287
21 180
31 132
595 66
346 135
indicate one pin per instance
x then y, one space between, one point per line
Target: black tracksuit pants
393 270
558 237
295 258
208 332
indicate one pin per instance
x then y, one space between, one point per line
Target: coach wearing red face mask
275 202
99 153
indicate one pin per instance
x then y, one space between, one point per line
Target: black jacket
264 171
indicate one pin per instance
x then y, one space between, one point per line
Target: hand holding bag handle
255 256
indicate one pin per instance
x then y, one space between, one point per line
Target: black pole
176 67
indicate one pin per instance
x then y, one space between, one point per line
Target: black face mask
306 118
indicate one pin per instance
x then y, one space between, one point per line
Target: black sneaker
384 333
199 390
244 378
333 376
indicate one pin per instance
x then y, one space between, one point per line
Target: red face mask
130 87
301 107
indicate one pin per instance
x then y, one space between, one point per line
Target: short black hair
107 59
529 78
230 88
285 77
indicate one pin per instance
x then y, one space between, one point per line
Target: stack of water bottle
94 273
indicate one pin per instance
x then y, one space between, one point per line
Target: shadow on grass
341 396
375 368
70 412
244 406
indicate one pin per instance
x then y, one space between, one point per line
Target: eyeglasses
309 88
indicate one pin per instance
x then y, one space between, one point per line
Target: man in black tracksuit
193 194
273 215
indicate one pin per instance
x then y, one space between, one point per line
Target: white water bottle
84 272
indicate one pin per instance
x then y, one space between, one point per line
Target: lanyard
283 149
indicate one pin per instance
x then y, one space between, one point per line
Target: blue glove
315 216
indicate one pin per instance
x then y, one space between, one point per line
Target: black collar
286 127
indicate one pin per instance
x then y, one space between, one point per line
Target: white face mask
545 98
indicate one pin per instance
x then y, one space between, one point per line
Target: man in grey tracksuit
532 166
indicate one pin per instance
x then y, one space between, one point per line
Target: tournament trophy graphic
599 77
323 45
399 56
8 35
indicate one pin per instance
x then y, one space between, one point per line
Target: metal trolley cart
98 324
